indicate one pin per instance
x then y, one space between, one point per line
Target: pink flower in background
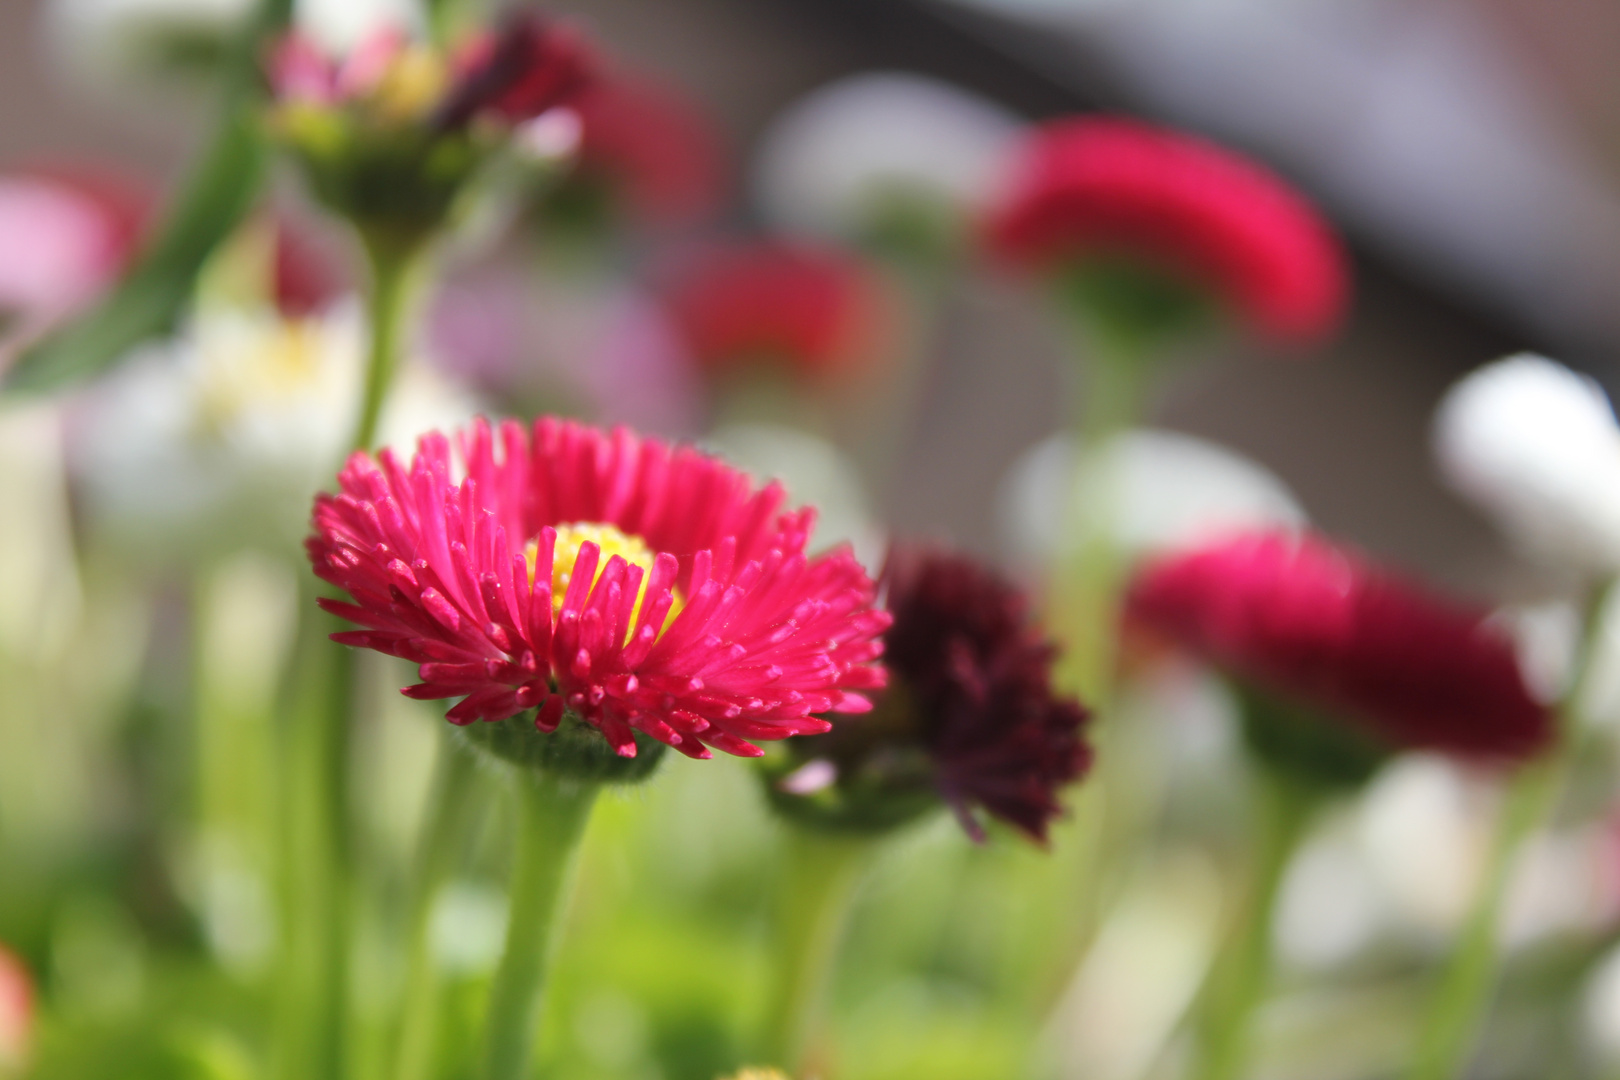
66 233
818 312
640 586
1108 188
16 1011
1316 625
652 147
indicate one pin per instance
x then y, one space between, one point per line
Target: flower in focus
390 133
1155 224
65 234
1313 627
1169 490
646 154
890 158
969 717
16 1011
815 312
631 585
1536 446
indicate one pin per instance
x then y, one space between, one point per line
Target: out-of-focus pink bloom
706 626
652 147
1100 189
306 275
65 234
16 1010
817 312
1315 625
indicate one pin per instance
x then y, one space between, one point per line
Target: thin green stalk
315 855
1457 1010
448 820
395 271
552 814
816 887
1237 982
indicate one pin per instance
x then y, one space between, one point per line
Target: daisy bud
1536 447
969 719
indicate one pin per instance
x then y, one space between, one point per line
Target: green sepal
1136 309
1324 753
575 751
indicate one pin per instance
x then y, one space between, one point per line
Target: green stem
449 817
315 854
815 891
1236 984
1457 1010
395 276
552 814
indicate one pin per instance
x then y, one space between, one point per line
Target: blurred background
1469 150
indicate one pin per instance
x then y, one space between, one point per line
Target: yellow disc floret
611 541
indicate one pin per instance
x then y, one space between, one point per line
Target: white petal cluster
1535 445
840 156
1162 490
220 438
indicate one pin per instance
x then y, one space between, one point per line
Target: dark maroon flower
970 715
529 66
1305 622
1110 190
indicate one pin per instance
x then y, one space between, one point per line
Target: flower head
969 716
817 312
390 133
1536 446
636 586
1310 624
1114 195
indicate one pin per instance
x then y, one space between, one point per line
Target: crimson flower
818 312
1312 624
1110 191
649 148
969 717
641 587
527 67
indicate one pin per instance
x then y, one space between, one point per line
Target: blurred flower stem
816 885
552 814
397 267
446 822
1458 1007
319 863
1236 982
222 187
314 978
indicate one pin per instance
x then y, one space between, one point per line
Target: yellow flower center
413 84
611 541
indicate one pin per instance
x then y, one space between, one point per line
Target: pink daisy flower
639 586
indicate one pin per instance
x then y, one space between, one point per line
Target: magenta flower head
632 594
969 719
1339 662
1155 229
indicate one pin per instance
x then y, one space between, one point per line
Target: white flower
1535 446
220 438
1166 490
839 158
